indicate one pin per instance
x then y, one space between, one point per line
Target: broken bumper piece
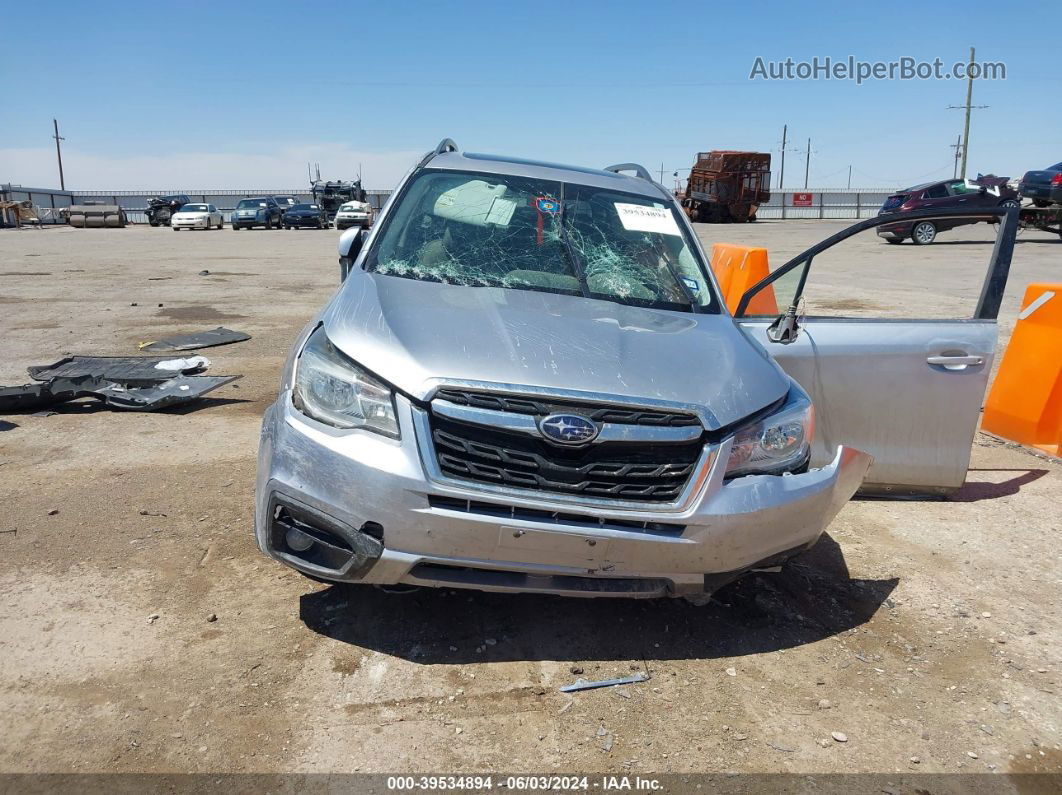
147 396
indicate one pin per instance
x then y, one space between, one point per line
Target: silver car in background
528 382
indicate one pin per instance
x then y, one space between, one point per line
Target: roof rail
641 171
445 145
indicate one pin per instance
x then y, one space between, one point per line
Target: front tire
895 241
1010 203
924 233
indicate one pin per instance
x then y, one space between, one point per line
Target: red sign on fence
802 199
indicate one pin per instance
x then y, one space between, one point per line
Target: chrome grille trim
526 423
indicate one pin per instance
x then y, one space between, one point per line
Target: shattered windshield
488 230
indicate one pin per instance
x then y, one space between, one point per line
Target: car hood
417 334
190 214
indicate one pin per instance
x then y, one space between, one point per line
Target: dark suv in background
261 211
989 191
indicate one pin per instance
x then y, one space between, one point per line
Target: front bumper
182 223
435 534
299 220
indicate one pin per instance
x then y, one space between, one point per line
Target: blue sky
178 95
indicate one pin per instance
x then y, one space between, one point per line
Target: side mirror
785 328
350 243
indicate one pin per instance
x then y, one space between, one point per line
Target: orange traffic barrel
737 268
1025 402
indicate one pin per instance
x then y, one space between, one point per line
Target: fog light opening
297 540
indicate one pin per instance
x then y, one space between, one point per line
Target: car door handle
955 361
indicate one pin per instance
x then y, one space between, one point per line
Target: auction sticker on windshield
642 218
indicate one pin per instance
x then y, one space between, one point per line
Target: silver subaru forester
528 383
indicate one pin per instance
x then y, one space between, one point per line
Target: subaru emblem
568 429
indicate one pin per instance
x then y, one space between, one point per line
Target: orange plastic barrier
1025 403
737 268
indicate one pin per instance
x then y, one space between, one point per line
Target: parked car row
268 212
1043 188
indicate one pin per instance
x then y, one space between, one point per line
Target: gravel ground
141 629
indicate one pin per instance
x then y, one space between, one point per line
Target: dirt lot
925 632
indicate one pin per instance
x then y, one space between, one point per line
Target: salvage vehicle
353 213
161 208
1043 187
286 202
528 382
263 211
305 215
197 216
985 191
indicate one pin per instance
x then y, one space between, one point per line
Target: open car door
907 391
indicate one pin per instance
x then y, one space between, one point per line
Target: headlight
778 443
332 389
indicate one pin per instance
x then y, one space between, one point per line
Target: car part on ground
584 684
161 208
134 383
196 340
96 216
127 369
149 396
727 186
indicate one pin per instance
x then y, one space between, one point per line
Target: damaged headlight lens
778 443
332 389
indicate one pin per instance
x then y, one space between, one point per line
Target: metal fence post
783 205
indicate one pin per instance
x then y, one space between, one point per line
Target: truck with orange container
727 186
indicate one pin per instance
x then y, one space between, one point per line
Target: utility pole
781 175
967 107
957 146
59 154
807 165
661 173
849 178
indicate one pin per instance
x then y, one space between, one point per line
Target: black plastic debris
125 369
161 395
196 340
128 383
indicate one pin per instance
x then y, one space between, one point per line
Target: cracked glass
488 230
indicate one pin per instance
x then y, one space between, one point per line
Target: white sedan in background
197 216
353 213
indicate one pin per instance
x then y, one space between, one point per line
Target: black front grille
542 406
623 471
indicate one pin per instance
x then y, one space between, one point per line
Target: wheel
235 228
894 240
1041 202
269 223
175 229
924 233
221 224
153 222
1010 203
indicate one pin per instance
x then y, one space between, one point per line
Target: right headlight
334 390
778 443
